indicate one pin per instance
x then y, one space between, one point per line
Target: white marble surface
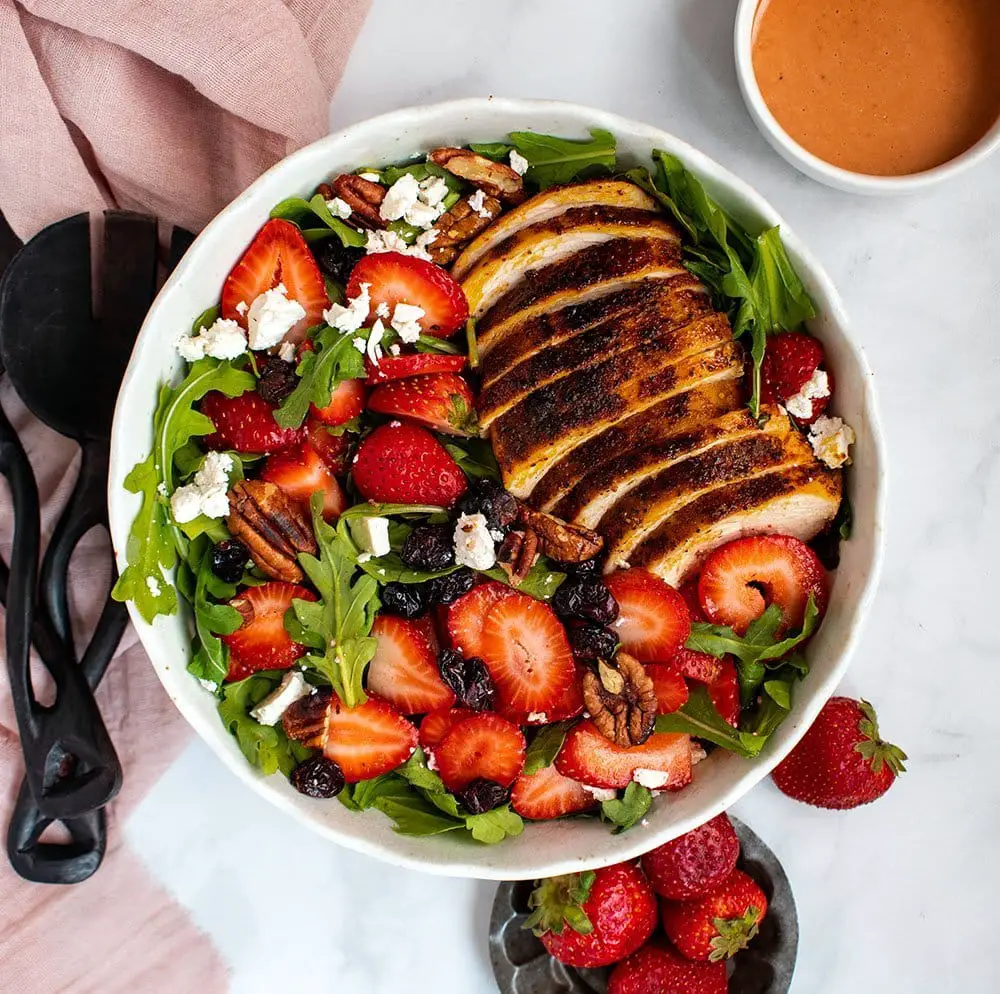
895 897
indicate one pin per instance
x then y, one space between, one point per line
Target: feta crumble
650 779
241 307
406 321
831 440
538 716
371 177
153 585
372 535
518 162
375 336
433 190
353 315
209 685
271 316
292 687
422 215
391 241
478 203
473 543
815 388
399 198
394 349
361 344
223 339
419 204
339 208
600 793
206 493
287 352
697 754
364 557
382 311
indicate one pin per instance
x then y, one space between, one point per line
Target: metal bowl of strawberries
497 488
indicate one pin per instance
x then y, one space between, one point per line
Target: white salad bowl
547 847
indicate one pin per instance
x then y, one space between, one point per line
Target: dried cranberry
429 547
483 795
488 498
318 777
277 378
445 589
229 559
406 599
469 679
335 259
593 642
589 567
587 599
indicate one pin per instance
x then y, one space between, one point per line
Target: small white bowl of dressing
873 96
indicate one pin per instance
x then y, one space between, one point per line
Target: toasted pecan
558 539
458 226
494 178
517 554
621 700
363 197
306 719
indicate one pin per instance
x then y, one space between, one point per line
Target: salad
338 498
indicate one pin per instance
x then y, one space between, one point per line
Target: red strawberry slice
671 690
725 692
347 401
740 579
404 464
467 616
404 669
279 254
698 666
300 472
654 621
484 746
548 794
398 367
368 740
440 401
245 424
789 363
527 653
569 705
436 725
589 757
333 449
261 642
690 594
402 279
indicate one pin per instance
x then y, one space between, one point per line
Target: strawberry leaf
875 751
558 901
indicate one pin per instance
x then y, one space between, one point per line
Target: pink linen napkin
171 108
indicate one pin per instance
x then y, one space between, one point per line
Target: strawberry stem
558 901
734 934
877 752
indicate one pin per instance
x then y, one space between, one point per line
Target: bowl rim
631 846
817 168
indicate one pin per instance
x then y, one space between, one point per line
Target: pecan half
494 178
363 197
517 554
272 526
621 700
559 539
306 719
458 226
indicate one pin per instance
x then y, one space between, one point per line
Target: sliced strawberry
740 579
690 594
346 402
245 424
368 740
399 367
548 794
671 690
654 621
428 625
439 401
300 472
404 464
467 616
590 758
333 449
725 692
261 642
278 254
402 279
527 653
791 360
484 746
436 725
404 670
698 666
569 705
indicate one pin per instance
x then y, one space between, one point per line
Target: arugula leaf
305 213
553 160
700 718
265 747
341 620
843 522
497 151
206 319
474 456
419 775
628 810
541 582
545 747
414 815
431 343
494 826
211 658
372 509
421 171
780 692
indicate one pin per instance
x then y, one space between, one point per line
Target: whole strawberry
793 360
718 925
594 918
695 863
841 762
658 969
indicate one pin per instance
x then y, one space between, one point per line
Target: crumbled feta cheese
423 215
697 754
372 534
354 315
419 204
287 352
496 535
395 349
153 585
375 336
399 198
382 311
651 779
207 492
433 190
161 488
361 344
364 557
224 339
271 316
644 823
293 686
538 717
473 544
371 177
431 761
518 162
406 321
831 440
391 241
241 307
600 793
339 208
209 685
477 202
815 388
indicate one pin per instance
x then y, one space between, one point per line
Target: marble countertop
898 896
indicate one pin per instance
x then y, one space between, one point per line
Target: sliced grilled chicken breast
591 273
549 242
635 516
599 345
800 501
679 414
552 421
550 204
